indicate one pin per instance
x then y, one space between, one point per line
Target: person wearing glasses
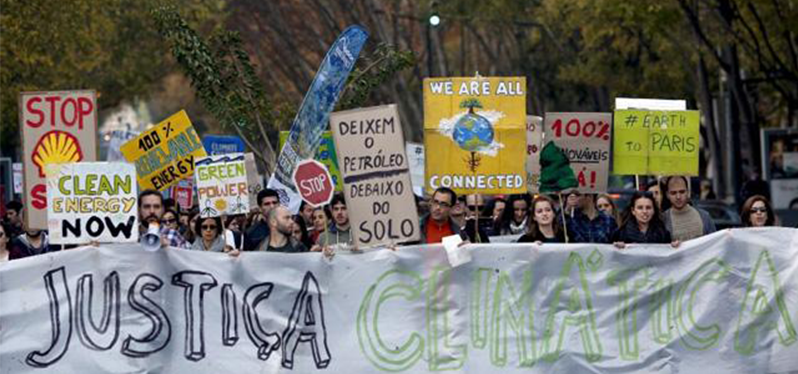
438 223
208 231
642 223
757 212
170 220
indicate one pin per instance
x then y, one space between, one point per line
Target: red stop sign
313 182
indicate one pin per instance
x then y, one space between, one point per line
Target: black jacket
629 233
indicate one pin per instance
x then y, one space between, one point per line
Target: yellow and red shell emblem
56 147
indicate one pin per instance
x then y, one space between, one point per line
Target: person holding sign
268 199
682 220
588 224
516 215
31 243
209 239
757 212
281 229
642 223
340 232
438 223
544 227
151 211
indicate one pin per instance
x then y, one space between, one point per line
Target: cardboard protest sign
222 185
183 193
475 127
648 142
254 179
534 142
326 155
166 153
92 201
221 144
57 127
585 140
377 187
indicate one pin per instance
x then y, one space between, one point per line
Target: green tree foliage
107 45
225 80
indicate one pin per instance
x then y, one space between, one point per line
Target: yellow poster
648 142
165 153
475 134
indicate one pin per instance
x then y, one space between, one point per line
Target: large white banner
726 303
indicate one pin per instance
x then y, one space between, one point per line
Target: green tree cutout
556 173
225 81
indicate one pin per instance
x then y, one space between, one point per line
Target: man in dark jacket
31 243
268 199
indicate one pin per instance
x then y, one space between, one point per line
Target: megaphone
151 240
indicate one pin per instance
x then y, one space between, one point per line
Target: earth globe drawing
473 132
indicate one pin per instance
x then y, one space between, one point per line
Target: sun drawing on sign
220 204
56 147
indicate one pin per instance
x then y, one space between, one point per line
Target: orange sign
57 127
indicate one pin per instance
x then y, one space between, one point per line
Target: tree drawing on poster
649 142
222 185
584 139
475 128
92 202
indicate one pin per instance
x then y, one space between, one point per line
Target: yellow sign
475 134
656 142
165 153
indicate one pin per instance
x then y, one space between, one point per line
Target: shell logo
56 147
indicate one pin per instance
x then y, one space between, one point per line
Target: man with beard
682 220
268 199
31 243
340 233
151 209
281 226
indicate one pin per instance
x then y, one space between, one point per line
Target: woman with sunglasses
642 223
170 219
208 235
757 212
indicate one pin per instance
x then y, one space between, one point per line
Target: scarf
686 225
519 228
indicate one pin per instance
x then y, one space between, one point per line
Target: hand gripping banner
725 303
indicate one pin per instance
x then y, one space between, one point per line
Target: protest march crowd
661 214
